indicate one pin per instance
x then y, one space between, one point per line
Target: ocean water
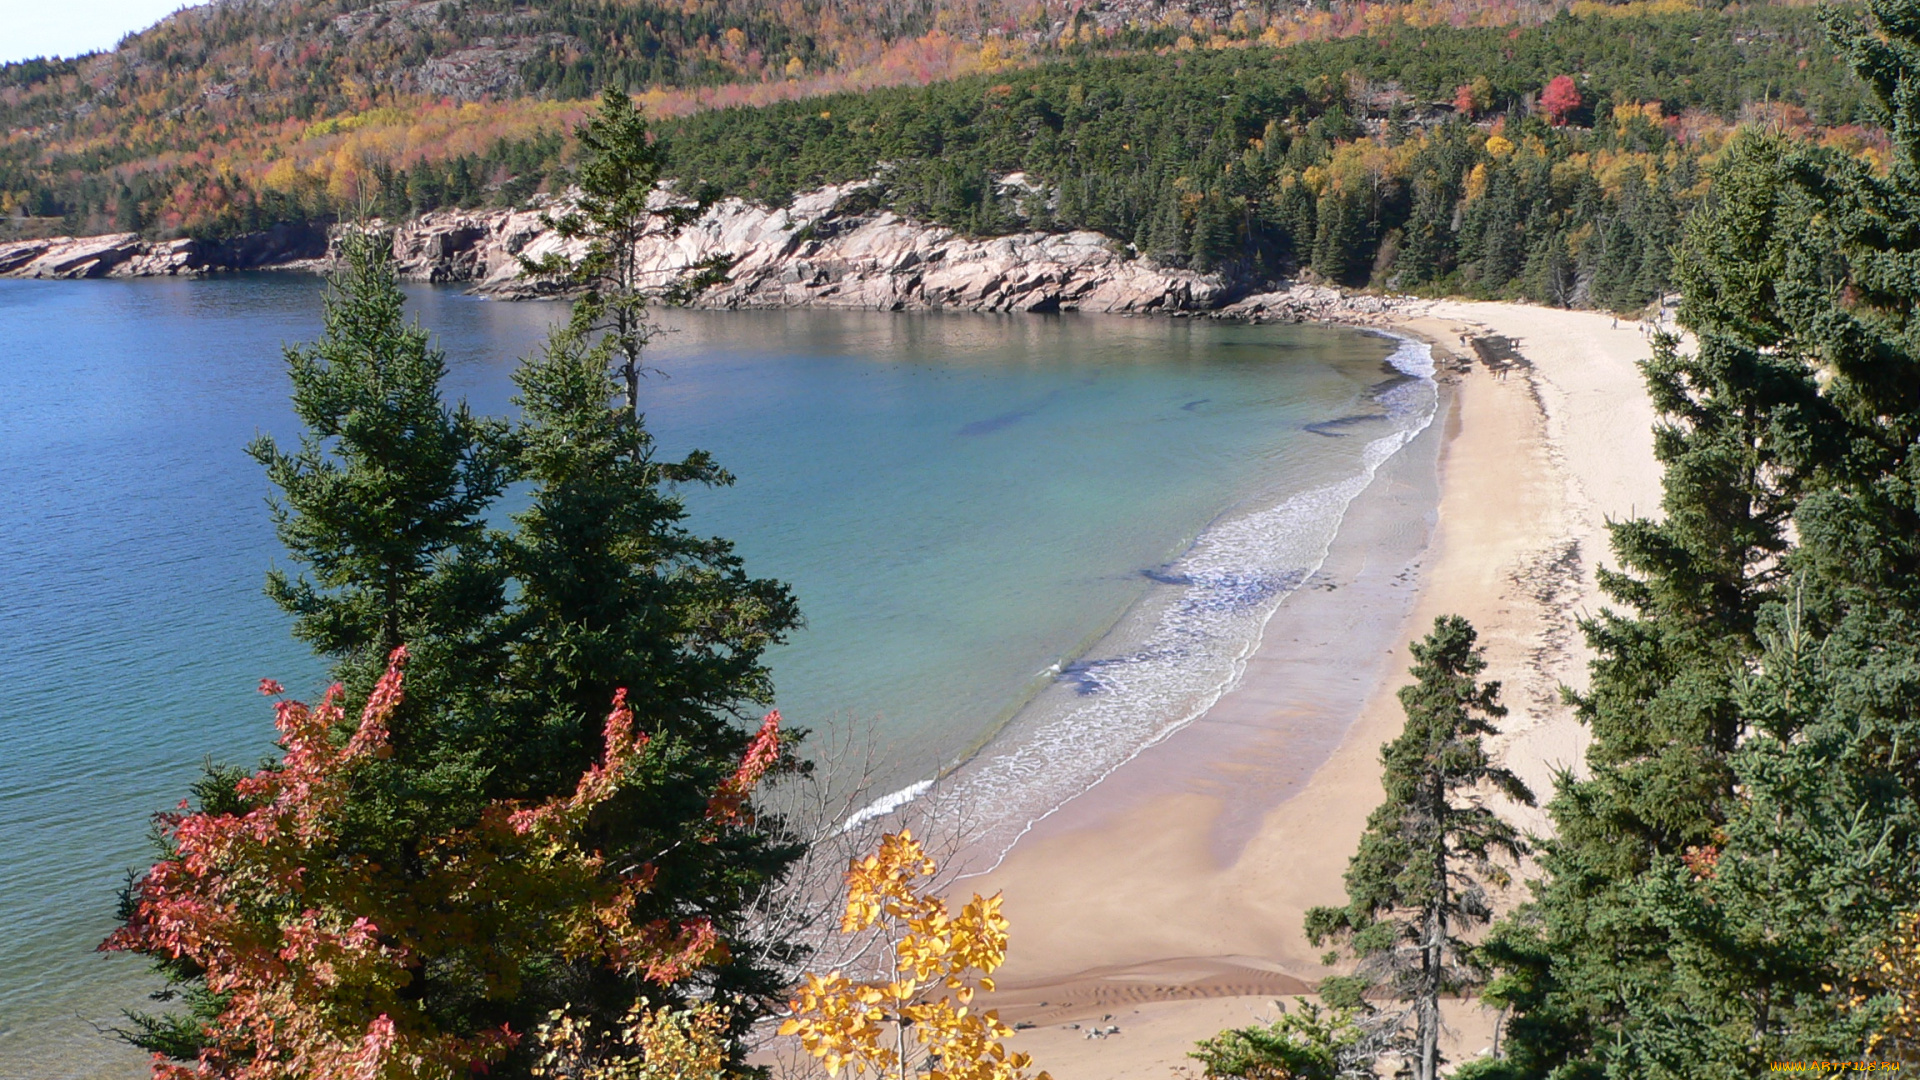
1025 546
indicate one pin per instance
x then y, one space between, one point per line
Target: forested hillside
1494 150
232 116
1386 160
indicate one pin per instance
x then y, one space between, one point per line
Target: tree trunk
1434 948
1427 1065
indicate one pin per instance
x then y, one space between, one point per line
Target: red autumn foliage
1560 99
1703 861
728 803
315 944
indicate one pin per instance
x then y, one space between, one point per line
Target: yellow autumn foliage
939 960
649 1044
1634 9
1899 964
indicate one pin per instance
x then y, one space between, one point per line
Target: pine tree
520 639
615 593
1340 238
1415 885
620 203
383 502
1719 887
1663 704
1213 237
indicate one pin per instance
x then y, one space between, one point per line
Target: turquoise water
986 520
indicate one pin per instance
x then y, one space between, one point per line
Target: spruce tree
619 203
522 638
1718 887
615 593
1340 237
1415 885
382 504
392 554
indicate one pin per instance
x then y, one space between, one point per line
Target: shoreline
1169 899
1166 662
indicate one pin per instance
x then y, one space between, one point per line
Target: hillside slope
241 113
1409 154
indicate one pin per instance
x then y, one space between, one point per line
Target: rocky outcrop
816 253
1302 302
457 246
70 257
830 248
128 255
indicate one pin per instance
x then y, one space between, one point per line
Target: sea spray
1177 651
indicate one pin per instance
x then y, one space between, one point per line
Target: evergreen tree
1415 884
1213 238
1720 885
615 594
383 504
383 501
621 203
520 639
1339 238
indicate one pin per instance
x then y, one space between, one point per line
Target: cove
969 508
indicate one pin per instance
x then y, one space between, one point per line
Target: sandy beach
1168 901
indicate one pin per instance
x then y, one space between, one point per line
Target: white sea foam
1182 647
885 804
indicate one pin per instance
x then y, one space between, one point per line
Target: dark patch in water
1084 677
1006 420
1164 578
1238 592
995 423
1330 428
1192 405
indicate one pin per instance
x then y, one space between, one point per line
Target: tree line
1415 160
1328 155
1732 884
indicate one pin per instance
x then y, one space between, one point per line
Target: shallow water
985 518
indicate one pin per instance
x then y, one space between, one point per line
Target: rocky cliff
127 255
829 248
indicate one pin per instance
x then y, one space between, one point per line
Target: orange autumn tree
938 960
311 948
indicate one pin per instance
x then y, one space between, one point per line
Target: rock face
1301 302
456 246
67 257
127 255
830 248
